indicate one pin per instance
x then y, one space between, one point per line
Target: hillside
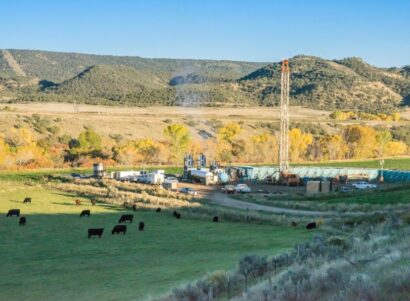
325 84
61 66
351 83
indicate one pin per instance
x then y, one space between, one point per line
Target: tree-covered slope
324 84
349 83
60 66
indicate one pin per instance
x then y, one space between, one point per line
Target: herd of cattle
120 228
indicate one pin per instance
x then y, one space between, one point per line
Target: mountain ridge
348 83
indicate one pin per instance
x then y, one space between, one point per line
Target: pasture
51 258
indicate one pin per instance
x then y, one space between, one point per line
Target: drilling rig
284 119
284 176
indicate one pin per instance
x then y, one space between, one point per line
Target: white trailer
156 177
126 175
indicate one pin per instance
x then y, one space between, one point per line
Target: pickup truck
242 188
229 189
363 185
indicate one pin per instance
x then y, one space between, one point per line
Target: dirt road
222 199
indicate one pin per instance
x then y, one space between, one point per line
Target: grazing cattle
311 226
119 229
175 213
125 217
294 224
158 210
134 207
85 213
13 212
178 216
22 221
77 202
215 219
27 200
95 232
141 226
93 202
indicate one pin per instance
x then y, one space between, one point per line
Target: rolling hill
351 83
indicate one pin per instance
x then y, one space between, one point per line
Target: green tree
89 141
383 138
178 137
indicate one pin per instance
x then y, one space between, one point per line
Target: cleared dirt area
134 123
149 122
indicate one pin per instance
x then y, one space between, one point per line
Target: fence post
246 282
229 288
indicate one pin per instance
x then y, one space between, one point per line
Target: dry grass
117 193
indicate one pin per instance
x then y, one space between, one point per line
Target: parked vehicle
228 189
242 188
189 191
364 185
345 189
171 179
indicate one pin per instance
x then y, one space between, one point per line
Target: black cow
175 213
178 216
134 207
294 224
158 210
141 226
95 232
27 200
311 226
215 219
85 213
12 212
22 221
126 217
119 229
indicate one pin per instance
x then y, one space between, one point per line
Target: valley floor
51 257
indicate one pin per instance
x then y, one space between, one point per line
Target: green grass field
392 163
51 257
399 196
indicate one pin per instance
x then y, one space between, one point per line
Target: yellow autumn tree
227 147
6 160
137 151
333 147
263 148
396 148
24 152
298 144
361 140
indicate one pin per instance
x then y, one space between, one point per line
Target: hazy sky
378 31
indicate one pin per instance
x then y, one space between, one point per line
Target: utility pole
75 107
284 119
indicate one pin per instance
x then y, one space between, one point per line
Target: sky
253 30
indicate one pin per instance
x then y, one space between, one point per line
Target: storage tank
223 178
98 169
203 176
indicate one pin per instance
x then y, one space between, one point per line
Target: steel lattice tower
284 119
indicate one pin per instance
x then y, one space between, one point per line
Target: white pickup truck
363 185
